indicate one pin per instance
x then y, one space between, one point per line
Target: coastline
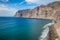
46 32
49 32
52 33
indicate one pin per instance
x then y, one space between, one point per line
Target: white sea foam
45 31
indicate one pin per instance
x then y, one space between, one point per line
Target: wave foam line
45 31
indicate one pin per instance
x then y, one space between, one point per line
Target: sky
10 7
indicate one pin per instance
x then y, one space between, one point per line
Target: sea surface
12 28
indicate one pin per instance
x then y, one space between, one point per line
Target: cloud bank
5 11
40 1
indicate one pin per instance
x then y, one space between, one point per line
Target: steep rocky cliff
50 11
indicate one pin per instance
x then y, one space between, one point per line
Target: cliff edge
50 11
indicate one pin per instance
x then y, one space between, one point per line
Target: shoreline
27 18
46 32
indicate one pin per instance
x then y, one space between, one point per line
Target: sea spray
46 31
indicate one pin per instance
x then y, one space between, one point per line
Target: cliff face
22 13
50 11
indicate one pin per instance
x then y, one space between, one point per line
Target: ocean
12 28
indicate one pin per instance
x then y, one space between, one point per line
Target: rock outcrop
39 12
50 11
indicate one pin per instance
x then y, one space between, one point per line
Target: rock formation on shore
50 11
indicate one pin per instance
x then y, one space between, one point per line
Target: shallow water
12 28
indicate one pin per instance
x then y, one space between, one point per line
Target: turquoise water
21 28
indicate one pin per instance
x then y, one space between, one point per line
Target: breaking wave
45 31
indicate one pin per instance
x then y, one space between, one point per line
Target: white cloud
2 5
40 1
32 1
5 11
21 2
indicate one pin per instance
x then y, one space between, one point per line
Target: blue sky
9 7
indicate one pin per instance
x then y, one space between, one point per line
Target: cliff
50 11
